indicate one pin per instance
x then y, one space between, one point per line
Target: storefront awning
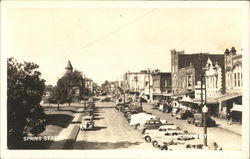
217 99
228 96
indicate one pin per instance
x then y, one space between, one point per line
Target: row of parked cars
183 114
88 116
160 133
128 109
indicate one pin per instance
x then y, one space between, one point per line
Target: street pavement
111 131
226 139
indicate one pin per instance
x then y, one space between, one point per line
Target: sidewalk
232 127
222 123
68 135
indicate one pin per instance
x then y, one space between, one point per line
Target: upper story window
237 72
189 80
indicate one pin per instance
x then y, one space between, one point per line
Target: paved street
111 131
227 140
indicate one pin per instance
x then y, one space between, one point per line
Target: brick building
162 85
186 70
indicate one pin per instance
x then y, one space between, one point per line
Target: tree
67 85
24 93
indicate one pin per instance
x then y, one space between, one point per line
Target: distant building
138 82
233 66
232 101
186 79
162 85
88 85
186 70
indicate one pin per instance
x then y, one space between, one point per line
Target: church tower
69 67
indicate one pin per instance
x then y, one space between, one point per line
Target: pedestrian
228 117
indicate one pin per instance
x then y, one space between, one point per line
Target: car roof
168 126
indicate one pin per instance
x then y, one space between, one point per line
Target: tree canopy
24 93
68 87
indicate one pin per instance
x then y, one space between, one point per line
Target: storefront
236 113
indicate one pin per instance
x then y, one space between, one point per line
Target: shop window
235 79
238 79
241 79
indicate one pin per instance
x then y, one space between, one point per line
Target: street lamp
205 110
204 107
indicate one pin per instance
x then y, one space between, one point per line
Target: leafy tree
24 93
67 86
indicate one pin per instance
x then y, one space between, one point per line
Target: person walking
228 117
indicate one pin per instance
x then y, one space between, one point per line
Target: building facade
138 82
162 85
186 70
214 79
233 72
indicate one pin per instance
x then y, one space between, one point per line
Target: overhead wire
105 36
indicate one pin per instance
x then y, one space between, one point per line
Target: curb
230 131
70 139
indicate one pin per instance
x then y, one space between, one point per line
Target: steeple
69 67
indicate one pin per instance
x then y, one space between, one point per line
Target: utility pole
149 83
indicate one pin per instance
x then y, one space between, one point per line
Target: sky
104 43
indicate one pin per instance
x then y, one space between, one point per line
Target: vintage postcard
125 79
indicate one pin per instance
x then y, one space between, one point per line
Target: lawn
56 121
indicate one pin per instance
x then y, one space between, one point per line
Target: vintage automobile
174 111
195 144
156 105
122 106
107 99
87 123
151 124
128 114
184 114
198 120
166 130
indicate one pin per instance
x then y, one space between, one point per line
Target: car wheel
189 122
148 139
155 143
195 124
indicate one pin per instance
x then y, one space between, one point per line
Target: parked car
87 123
156 105
163 107
184 114
121 106
151 124
131 111
165 130
195 144
198 120
168 108
175 111
170 135
107 99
